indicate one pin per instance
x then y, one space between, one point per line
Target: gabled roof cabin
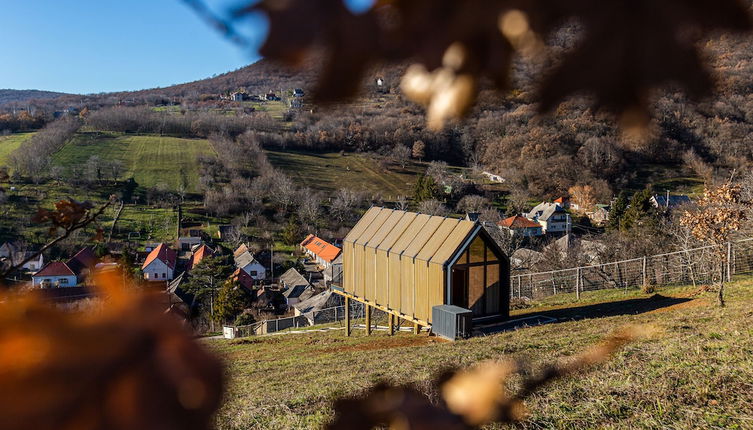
407 263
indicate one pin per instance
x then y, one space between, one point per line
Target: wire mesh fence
302 320
690 266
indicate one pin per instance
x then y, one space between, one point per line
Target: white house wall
155 270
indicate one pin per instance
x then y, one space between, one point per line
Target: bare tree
433 207
401 203
472 203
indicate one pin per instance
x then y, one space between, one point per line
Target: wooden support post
391 324
645 272
577 284
416 328
367 310
347 316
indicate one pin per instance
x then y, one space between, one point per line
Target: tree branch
66 233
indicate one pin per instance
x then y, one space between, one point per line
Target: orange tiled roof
201 253
518 222
321 248
163 253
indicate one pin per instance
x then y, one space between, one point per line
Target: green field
331 171
151 160
696 373
10 143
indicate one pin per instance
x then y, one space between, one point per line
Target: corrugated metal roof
425 237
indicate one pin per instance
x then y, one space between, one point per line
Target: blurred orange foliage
124 365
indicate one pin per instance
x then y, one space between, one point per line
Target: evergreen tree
617 211
641 212
426 189
205 280
292 233
231 301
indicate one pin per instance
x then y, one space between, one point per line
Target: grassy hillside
696 374
332 171
151 160
10 143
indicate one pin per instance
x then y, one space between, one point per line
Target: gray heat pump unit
451 322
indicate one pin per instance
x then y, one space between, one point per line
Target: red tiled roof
201 253
561 200
84 259
56 268
518 222
324 250
162 253
243 278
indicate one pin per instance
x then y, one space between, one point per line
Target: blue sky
91 46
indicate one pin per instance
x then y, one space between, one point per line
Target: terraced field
10 143
331 171
151 160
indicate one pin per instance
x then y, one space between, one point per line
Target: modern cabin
406 263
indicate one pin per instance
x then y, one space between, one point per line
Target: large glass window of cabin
477 274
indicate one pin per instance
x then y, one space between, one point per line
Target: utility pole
272 260
211 303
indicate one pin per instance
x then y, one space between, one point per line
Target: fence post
729 261
520 282
577 283
368 320
645 263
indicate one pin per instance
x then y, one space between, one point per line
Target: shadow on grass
596 310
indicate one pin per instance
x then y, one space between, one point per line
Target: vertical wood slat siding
396 259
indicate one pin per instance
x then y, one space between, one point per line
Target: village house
519 226
493 177
238 96
226 232
83 263
200 253
553 218
160 264
295 287
569 244
335 270
298 92
66 274
244 280
56 274
321 251
417 267
668 201
599 215
187 243
12 254
322 308
245 261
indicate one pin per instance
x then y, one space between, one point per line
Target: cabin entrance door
460 287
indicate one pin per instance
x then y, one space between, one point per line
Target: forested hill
10 96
